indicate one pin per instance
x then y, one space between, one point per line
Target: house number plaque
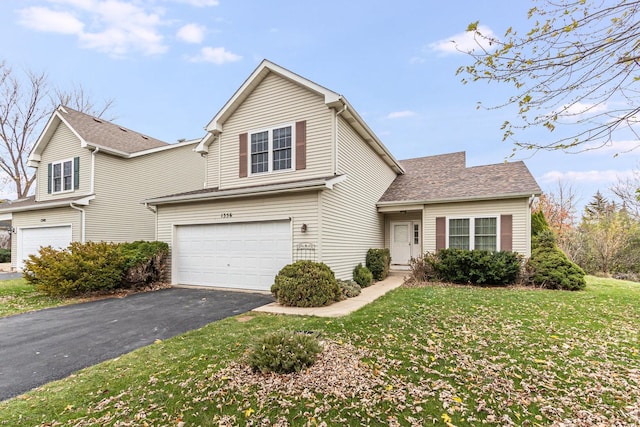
226 215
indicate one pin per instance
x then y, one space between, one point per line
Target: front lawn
18 296
430 355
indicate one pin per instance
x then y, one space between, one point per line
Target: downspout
337 132
82 220
153 209
93 169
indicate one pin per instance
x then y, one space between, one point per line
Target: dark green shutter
49 178
76 173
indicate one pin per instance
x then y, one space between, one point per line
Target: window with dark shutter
506 232
301 145
441 233
49 166
76 173
242 166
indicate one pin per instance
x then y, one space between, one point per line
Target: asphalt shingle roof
446 177
101 132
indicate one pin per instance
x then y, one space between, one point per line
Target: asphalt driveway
50 344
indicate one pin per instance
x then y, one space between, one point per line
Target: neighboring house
91 178
293 172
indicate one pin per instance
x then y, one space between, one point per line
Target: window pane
416 234
459 233
67 175
57 177
486 234
260 152
282 148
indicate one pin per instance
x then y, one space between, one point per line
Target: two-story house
294 172
91 178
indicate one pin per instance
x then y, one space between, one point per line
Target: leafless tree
26 101
627 191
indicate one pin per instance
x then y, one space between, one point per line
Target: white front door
405 241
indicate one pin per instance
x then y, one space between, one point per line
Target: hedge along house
91 177
293 172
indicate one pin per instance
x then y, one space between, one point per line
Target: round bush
306 284
349 288
362 276
283 352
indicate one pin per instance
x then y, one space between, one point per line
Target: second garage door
31 239
235 255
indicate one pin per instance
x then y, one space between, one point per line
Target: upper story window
271 150
63 176
473 233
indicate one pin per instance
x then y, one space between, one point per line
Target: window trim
472 227
61 163
270 150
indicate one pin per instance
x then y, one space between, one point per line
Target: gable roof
445 178
95 132
331 99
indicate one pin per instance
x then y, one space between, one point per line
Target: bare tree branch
26 101
576 71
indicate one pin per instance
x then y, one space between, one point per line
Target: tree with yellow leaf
575 72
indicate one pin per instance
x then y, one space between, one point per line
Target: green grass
428 356
18 296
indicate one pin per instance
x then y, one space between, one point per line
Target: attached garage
31 239
244 255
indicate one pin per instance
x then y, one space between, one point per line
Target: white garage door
241 255
31 239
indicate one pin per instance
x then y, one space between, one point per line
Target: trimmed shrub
81 268
548 267
478 267
95 266
378 262
5 255
145 262
362 276
284 352
305 284
349 288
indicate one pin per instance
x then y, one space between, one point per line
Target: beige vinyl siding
275 102
117 213
351 223
44 218
519 208
64 144
301 208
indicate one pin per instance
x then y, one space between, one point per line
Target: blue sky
170 65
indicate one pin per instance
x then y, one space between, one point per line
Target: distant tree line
605 238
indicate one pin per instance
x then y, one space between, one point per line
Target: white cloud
591 177
112 26
191 33
580 108
200 3
400 114
464 42
216 55
43 19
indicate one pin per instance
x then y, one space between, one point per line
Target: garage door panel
236 255
30 240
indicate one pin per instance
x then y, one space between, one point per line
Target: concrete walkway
341 308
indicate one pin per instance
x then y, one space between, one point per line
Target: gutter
454 199
318 184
